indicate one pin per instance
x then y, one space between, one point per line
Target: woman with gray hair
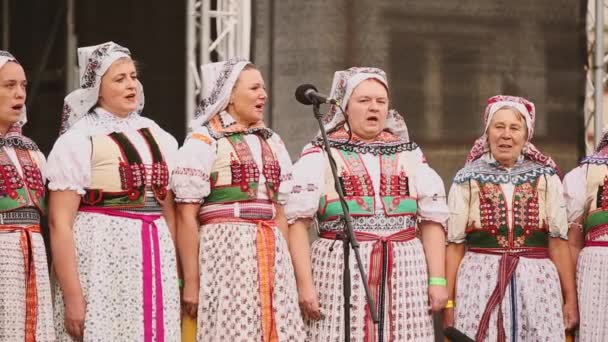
514 281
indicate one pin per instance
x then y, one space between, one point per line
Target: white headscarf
343 85
6 57
218 80
93 62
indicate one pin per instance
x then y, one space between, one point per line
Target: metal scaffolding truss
216 30
596 73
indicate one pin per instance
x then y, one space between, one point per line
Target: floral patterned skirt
532 306
592 286
109 256
235 300
406 306
13 290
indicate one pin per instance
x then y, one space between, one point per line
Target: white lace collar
102 121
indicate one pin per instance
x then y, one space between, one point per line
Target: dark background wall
154 31
443 59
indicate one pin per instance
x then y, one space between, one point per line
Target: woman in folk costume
399 211
111 215
26 312
516 280
233 176
586 193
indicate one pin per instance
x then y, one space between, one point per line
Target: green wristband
439 281
180 283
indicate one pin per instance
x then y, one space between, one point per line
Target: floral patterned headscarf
94 62
527 109
343 85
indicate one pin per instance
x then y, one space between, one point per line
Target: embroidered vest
596 215
118 176
398 197
235 176
488 225
18 191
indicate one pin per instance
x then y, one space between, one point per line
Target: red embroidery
526 212
604 195
492 208
10 181
160 179
131 176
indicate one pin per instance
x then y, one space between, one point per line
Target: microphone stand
349 238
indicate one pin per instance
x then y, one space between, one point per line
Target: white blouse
309 177
194 162
575 192
69 163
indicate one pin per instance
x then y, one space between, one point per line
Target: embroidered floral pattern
340 85
493 214
526 212
394 185
385 143
90 77
33 179
484 172
19 141
493 210
219 85
160 178
186 171
132 178
10 181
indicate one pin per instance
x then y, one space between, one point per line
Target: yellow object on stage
188 329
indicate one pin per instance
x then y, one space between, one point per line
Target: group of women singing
144 234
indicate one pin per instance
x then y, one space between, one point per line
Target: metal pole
205 33
599 71
71 80
6 25
190 61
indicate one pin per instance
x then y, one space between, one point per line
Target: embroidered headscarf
343 85
13 136
94 62
600 155
218 81
527 109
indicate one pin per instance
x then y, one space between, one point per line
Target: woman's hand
570 315
309 302
190 298
438 297
75 308
448 318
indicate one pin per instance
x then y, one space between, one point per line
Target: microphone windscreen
301 93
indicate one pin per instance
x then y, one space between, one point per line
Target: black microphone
456 336
307 94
